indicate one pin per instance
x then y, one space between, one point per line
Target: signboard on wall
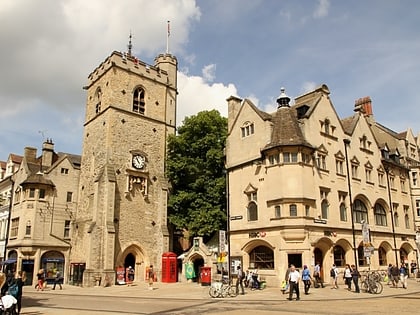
222 241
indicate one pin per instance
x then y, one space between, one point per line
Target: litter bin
205 276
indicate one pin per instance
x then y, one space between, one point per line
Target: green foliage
196 170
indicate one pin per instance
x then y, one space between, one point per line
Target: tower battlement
135 65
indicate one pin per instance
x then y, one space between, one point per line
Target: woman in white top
348 276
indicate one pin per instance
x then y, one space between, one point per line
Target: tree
195 168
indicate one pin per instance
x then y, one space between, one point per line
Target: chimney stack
47 152
30 154
364 106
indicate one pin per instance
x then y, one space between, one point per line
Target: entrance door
129 261
319 259
28 268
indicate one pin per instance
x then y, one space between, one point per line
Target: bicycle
371 283
222 289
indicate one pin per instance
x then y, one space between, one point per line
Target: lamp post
392 214
347 143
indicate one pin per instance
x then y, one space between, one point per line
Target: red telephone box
169 267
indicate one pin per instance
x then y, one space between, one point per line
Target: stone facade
121 218
44 203
295 175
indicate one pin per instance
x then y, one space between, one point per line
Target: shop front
52 262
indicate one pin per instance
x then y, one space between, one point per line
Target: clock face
139 161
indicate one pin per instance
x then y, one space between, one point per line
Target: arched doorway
132 256
129 260
198 262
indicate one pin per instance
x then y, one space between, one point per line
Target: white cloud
308 86
322 9
209 73
196 95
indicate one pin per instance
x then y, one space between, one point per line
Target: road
196 301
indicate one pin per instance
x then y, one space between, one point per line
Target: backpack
13 290
332 272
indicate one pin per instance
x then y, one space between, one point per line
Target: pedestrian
403 275
58 279
40 276
389 281
246 273
19 281
151 275
239 281
249 279
317 276
306 278
413 267
395 275
334 276
294 277
130 276
355 276
348 276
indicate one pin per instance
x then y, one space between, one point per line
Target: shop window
339 256
261 257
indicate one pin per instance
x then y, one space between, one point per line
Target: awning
8 261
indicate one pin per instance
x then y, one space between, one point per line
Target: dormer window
138 101
247 129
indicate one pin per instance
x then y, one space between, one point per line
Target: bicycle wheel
364 285
378 288
213 292
232 291
224 291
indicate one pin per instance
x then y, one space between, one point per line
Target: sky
244 48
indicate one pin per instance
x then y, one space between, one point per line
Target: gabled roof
286 129
350 123
384 135
16 158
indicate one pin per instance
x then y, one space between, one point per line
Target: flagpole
167 38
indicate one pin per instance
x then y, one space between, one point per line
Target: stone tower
122 209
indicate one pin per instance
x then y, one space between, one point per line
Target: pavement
194 291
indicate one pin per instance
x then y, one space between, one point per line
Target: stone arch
407 253
134 253
249 246
389 253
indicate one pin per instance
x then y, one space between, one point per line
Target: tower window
138 101
98 99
